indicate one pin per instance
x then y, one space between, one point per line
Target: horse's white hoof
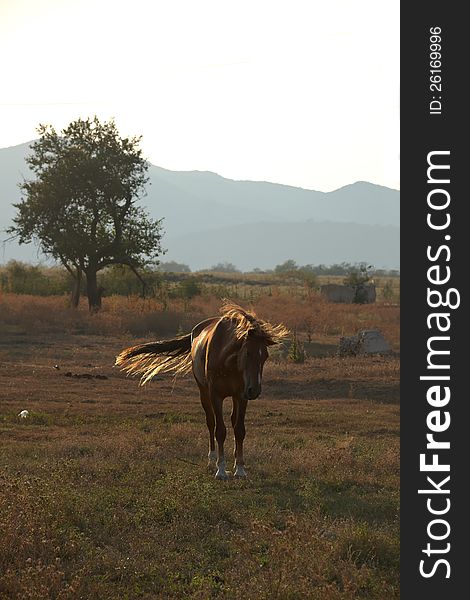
222 475
212 460
240 472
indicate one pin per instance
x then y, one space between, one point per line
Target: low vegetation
159 283
312 317
104 491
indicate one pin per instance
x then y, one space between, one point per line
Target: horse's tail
147 360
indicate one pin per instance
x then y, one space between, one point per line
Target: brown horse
226 355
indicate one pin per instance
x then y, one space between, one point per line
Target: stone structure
365 342
338 293
364 293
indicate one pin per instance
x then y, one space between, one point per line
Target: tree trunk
93 291
75 298
141 279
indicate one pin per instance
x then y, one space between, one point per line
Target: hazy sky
304 92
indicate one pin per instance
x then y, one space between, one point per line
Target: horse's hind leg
238 423
220 433
210 421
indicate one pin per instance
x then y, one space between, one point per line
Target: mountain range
210 219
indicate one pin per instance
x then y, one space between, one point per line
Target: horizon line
299 187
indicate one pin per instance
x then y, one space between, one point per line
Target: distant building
338 293
346 294
365 293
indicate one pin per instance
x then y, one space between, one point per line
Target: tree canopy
224 267
173 267
82 207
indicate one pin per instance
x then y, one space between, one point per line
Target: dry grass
104 492
313 317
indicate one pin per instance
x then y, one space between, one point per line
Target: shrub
297 352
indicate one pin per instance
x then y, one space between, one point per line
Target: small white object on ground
23 414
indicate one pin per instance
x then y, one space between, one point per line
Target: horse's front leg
238 423
210 421
220 433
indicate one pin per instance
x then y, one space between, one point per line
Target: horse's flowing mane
248 322
174 355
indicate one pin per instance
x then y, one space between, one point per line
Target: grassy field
104 490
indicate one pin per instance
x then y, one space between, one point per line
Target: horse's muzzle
252 393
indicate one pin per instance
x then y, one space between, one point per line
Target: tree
308 276
82 206
189 288
358 279
173 267
224 267
387 291
286 267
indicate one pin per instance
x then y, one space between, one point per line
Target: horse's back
199 328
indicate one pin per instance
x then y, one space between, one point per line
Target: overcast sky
304 92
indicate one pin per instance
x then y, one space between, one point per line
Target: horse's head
251 358
246 340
